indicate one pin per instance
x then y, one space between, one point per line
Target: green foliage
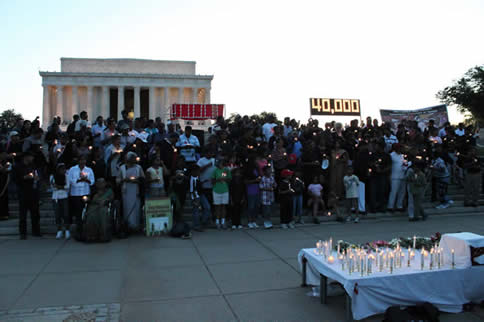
10 117
467 93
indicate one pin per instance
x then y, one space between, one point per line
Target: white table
448 289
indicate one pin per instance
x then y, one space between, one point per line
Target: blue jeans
252 207
297 205
206 209
196 212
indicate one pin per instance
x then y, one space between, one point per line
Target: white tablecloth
460 243
448 289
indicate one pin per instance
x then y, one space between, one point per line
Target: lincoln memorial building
107 86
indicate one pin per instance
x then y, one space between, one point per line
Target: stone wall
128 66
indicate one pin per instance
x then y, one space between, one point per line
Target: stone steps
47 215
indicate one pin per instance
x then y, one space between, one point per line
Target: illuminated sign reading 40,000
334 106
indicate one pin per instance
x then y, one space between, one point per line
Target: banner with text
422 116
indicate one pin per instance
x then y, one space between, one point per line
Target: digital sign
334 106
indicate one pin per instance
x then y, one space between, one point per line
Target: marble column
180 95
137 102
105 110
46 110
166 104
89 104
120 102
207 95
60 104
151 107
195 95
75 101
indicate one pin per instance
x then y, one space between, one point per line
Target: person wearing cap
187 143
59 183
285 199
27 179
130 177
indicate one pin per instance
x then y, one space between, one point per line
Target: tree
467 93
10 117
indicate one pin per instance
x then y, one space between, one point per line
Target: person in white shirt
398 183
60 197
98 132
112 155
80 178
82 122
268 128
207 167
187 143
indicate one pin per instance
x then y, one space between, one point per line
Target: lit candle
331 259
453 259
90 147
369 265
402 258
341 259
339 244
138 159
84 198
132 178
422 259
330 244
431 262
175 150
362 265
414 241
391 264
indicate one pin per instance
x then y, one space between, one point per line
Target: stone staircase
47 216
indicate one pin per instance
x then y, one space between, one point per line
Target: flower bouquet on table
344 245
377 244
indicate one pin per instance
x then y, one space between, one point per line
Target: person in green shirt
221 177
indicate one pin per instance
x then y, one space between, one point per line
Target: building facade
107 86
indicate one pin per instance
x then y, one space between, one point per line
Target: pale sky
264 55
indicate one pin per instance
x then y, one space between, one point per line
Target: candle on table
391 264
431 262
339 244
453 259
402 258
331 259
414 241
422 258
362 264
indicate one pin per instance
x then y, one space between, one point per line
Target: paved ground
216 276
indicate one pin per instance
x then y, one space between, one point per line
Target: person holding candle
351 183
81 178
130 177
285 199
416 181
221 177
315 198
398 184
441 174
27 178
297 198
155 177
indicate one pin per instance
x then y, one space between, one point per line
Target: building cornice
125 75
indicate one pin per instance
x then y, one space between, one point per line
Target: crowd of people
232 175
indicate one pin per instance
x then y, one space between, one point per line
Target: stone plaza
107 86
249 275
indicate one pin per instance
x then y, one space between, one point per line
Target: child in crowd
351 183
285 199
267 186
237 188
441 174
417 182
221 177
155 175
60 193
316 198
195 192
297 197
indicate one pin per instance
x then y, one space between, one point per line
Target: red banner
196 111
